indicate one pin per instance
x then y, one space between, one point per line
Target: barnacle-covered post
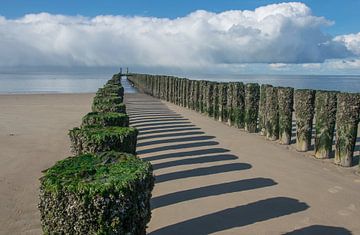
285 106
196 95
209 99
272 114
96 194
252 93
229 102
262 108
347 120
216 101
105 119
238 106
304 114
325 116
222 102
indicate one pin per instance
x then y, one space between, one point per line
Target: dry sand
210 178
33 136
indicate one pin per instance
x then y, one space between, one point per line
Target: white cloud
351 41
278 66
344 64
312 66
276 34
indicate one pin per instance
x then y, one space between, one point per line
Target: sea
88 81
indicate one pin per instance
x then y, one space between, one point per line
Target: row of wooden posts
268 110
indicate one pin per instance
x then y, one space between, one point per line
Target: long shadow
236 217
211 170
151 116
320 229
160 124
175 140
177 134
178 146
211 190
169 130
165 127
155 120
196 160
187 153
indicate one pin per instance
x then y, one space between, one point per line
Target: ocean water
90 81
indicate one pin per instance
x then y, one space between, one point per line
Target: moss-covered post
209 99
252 93
304 114
285 105
229 102
347 120
272 114
222 102
216 101
262 109
238 106
96 194
196 95
325 116
203 96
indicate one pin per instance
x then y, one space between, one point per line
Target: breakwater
271 111
103 188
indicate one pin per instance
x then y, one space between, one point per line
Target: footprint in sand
335 189
348 211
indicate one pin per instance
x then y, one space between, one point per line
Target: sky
243 36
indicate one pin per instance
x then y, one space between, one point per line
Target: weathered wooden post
187 93
196 95
203 96
252 93
347 119
325 116
262 108
238 106
209 99
304 113
285 105
272 114
216 101
229 102
222 102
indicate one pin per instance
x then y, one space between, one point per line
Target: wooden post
272 114
304 112
222 102
262 109
325 117
347 120
285 105
252 93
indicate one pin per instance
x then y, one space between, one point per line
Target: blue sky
345 13
305 37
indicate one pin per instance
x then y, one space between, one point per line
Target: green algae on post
347 120
272 114
209 109
105 119
252 92
262 108
285 105
304 114
96 194
237 118
222 102
96 139
216 101
109 107
325 116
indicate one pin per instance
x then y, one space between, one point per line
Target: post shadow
235 217
168 130
139 126
211 170
211 190
167 135
320 229
165 127
187 153
178 146
155 120
175 140
196 160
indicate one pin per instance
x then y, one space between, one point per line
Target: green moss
110 90
109 107
285 105
107 99
272 114
262 108
96 139
105 119
91 174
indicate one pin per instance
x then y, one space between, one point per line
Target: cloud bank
275 34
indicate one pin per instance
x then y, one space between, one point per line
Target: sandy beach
210 178
33 136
